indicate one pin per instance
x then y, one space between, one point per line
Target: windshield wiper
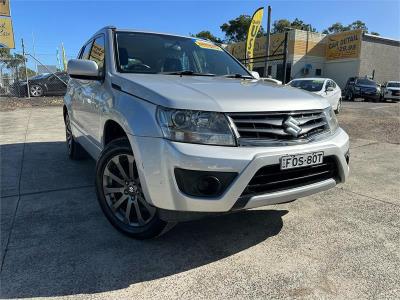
237 75
187 73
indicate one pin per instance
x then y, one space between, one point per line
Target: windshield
366 82
157 53
393 84
308 85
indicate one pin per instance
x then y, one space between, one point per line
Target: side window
86 51
333 84
97 53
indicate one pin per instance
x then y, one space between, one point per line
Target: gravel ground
372 121
12 103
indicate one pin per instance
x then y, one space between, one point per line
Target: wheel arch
65 111
113 130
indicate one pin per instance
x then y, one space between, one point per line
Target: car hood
393 89
217 93
366 86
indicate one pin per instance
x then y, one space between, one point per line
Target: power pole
34 52
285 54
268 41
26 71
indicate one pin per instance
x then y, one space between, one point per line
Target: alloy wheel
123 192
36 90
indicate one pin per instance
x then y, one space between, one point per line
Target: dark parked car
361 88
42 85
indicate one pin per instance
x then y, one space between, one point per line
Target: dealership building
337 56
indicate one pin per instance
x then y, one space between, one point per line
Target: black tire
117 151
339 107
350 96
74 149
36 90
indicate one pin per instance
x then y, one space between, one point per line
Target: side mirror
329 89
255 75
83 69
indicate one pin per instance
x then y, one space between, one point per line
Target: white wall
341 70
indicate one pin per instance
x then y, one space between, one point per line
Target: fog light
205 184
209 185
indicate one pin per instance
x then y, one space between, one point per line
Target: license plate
301 160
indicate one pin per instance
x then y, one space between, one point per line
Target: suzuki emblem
291 126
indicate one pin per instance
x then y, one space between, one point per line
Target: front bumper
390 96
367 95
157 159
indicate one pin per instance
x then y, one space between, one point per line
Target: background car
323 87
391 90
42 85
364 88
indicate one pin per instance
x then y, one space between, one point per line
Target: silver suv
180 129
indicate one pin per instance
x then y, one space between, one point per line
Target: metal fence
26 76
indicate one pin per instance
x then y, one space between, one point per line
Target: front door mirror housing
329 89
83 69
255 75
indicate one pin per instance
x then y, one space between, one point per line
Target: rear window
393 84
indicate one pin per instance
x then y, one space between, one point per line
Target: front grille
368 90
271 178
395 93
261 128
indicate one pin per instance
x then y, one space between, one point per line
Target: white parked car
391 90
323 87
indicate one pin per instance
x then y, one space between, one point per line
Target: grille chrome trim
268 128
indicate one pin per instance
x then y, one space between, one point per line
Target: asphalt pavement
340 244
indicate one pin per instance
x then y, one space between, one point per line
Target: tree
339 27
283 24
375 33
299 24
4 53
358 25
280 25
207 35
236 30
335 28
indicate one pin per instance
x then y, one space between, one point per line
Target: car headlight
356 88
331 119
191 126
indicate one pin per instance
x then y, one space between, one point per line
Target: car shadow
61 243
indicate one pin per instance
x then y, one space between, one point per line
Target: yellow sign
6 33
345 44
251 35
205 45
5 8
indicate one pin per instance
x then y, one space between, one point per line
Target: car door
332 93
93 96
78 110
54 85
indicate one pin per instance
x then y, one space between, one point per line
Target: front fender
134 115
